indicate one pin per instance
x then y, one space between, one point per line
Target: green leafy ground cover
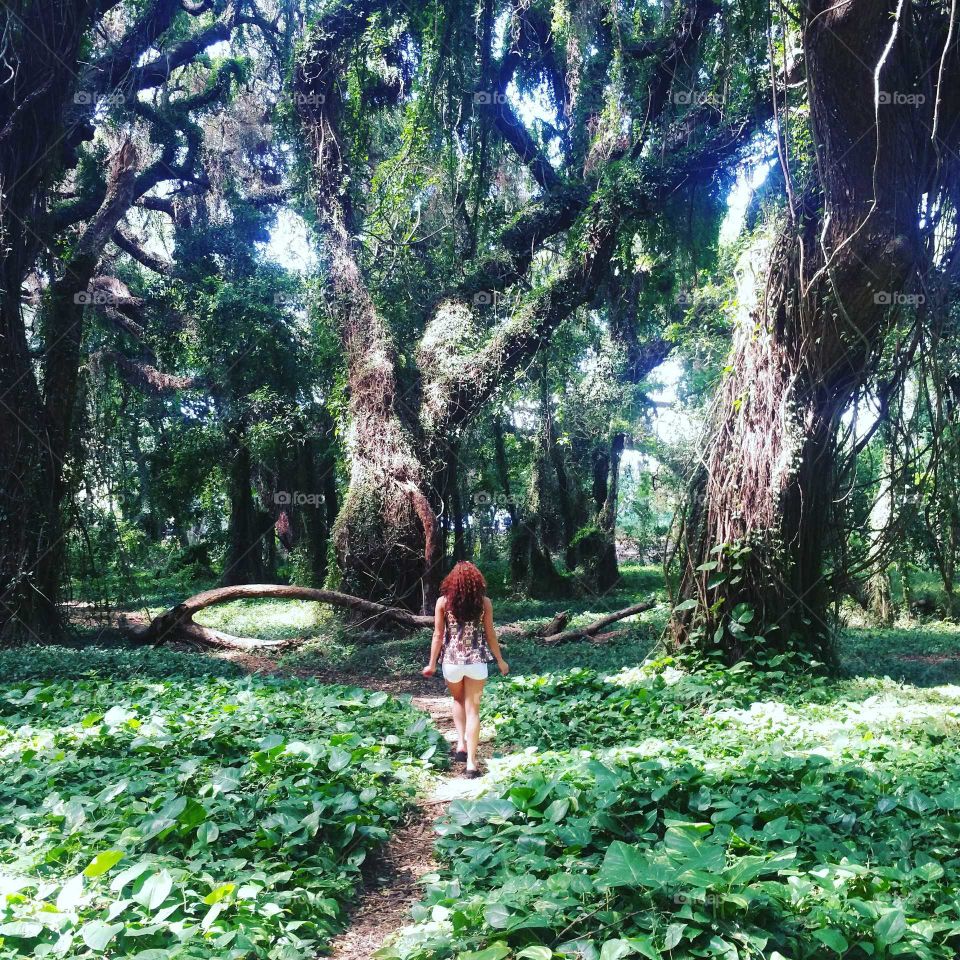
661 812
925 655
156 805
673 812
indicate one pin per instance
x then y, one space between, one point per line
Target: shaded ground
392 888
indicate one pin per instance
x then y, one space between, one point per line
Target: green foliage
152 811
50 663
924 656
605 708
673 812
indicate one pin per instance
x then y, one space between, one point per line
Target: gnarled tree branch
129 246
177 623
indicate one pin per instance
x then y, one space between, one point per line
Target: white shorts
455 672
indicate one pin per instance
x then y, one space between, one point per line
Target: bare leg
473 691
459 715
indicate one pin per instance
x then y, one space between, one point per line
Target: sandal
473 774
459 755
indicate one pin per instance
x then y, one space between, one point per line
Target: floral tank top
464 643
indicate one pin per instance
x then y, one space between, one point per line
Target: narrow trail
391 878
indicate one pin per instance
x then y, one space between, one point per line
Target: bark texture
386 536
758 533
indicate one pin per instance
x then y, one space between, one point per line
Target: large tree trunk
30 529
595 549
760 517
386 536
37 425
249 526
532 567
41 43
757 535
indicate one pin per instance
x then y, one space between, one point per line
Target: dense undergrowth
670 810
666 812
156 805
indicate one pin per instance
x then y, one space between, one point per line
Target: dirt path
391 878
392 882
392 888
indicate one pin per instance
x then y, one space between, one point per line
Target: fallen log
579 633
197 635
177 622
599 639
556 625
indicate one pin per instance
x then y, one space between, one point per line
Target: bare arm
437 642
492 641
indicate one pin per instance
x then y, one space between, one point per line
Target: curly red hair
464 589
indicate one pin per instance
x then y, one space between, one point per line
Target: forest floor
834 802
392 877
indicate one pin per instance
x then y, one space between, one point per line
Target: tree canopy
340 294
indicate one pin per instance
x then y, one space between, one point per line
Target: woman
464 641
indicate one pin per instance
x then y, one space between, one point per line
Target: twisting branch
129 246
145 376
157 71
626 196
177 623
